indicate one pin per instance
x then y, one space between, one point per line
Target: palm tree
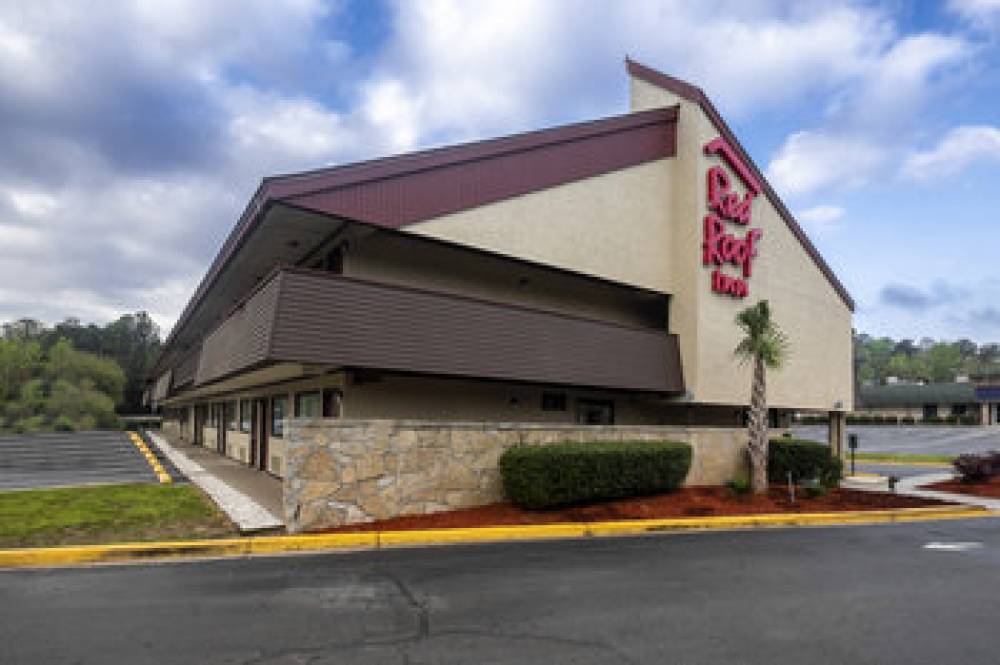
765 345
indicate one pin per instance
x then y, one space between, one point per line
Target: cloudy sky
132 133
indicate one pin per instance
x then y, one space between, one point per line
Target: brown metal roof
697 95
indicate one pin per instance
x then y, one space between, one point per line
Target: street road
926 439
858 595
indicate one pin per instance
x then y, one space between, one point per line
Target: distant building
964 402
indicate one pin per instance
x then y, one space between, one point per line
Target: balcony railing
319 318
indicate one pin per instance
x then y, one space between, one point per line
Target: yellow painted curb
158 470
481 534
62 556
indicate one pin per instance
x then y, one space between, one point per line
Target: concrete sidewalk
251 498
910 486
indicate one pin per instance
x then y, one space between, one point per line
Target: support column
837 424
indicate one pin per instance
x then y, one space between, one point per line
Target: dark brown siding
340 321
242 339
185 371
481 176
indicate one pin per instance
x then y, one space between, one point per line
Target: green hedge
805 459
563 474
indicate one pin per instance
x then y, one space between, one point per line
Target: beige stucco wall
643 226
425 398
614 226
393 258
818 371
209 437
347 471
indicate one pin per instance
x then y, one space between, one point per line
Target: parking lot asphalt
71 458
918 593
922 440
898 470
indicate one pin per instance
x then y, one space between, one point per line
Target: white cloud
863 131
821 218
960 147
134 132
751 61
31 203
274 132
812 161
980 12
902 79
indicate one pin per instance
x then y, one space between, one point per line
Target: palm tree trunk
758 428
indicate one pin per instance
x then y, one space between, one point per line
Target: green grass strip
107 513
903 457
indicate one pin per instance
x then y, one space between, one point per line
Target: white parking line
953 547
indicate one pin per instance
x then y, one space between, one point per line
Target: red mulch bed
685 502
989 488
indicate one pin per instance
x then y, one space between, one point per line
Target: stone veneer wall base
348 471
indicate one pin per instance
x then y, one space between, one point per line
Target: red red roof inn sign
726 205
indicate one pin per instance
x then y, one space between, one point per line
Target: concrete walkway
251 499
910 486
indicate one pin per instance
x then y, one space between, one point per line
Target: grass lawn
108 514
903 458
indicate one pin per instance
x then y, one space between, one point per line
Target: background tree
133 341
929 361
764 345
62 389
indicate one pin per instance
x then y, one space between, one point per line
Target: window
959 409
212 417
552 401
595 412
930 411
333 403
279 405
308 405
246 415
232 416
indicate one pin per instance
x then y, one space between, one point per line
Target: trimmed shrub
564 474
976 467
740 486
806 460
814 489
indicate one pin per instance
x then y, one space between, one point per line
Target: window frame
332 403
561 399
277 426
318 394
585 402
246 414
231 415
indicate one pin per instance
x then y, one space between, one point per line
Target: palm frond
762 338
